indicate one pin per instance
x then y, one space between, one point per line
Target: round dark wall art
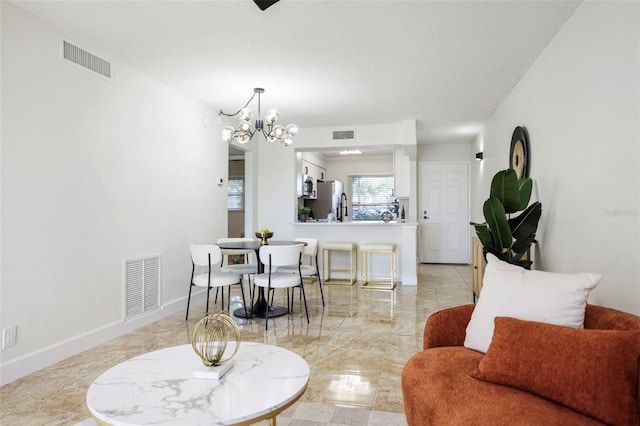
519 152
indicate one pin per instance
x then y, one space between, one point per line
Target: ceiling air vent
86 60
343 135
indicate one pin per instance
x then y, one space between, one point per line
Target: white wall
581 105
443 152
93 172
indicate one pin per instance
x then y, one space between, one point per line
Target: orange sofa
439 387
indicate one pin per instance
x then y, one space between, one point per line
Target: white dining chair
309 266
273 257
249 267
206 260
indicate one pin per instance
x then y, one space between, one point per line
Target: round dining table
260 307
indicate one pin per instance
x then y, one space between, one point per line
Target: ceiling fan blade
264 4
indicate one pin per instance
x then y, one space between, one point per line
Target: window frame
390 204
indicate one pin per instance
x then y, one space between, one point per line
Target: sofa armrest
603 318
447 327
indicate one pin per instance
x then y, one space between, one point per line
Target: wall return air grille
141 285
86 60
343 135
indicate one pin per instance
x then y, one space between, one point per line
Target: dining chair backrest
311 249
200 254
281 255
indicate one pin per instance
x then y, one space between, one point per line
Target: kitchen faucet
342 207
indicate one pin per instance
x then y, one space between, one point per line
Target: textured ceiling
448 64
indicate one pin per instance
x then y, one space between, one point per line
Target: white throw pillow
511 291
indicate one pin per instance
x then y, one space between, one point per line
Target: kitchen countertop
358 223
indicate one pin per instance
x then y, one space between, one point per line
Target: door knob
424 215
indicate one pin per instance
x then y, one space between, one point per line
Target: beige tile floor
356 347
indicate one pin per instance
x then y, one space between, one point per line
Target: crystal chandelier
246 129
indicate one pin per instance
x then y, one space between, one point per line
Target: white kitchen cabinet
307 168
316 171
309 174
311 167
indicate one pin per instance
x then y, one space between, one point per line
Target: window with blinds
235 194
372 195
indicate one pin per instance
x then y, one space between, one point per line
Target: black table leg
258 309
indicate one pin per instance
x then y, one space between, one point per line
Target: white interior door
444 213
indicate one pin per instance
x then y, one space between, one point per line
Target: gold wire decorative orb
211 335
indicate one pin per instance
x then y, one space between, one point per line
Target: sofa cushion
591 371
512 291
437 389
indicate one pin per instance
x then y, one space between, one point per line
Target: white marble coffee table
158 388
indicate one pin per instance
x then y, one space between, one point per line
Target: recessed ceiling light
350 152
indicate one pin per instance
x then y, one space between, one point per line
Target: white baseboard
42 358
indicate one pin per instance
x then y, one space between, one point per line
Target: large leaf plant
506 237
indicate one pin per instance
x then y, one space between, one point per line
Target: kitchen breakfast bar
403 234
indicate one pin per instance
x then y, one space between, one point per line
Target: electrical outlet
9 336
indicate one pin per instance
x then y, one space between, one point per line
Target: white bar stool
327 270
369 281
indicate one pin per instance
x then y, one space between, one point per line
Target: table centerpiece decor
264 234
209 340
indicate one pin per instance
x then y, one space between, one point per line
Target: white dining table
259 308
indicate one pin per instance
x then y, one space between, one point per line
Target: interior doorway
444 213
236 206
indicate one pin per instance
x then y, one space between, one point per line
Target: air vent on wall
86 60
343 135
141 285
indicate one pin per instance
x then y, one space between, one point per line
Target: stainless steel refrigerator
328 199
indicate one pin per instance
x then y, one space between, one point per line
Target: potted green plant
303 213
509 238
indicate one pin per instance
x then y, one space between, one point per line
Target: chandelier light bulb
292 129
271 136
272 116
279 131
287 141
243 138
245 126
246 114
227 133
